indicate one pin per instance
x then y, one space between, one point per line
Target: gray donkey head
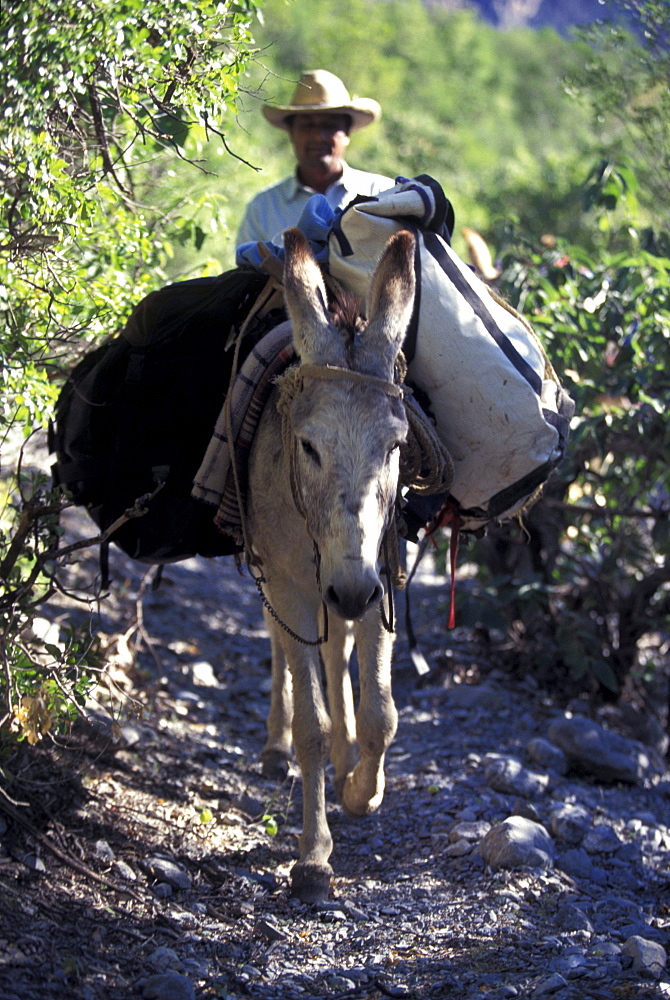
348 419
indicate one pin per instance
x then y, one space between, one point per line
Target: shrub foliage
97 101
584 582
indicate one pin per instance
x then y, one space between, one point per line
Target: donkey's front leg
277 750
310 877
336 654
376 719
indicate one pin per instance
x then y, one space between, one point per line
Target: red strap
453 554
450 515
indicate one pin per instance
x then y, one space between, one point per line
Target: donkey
323 480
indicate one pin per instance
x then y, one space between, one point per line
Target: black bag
139 411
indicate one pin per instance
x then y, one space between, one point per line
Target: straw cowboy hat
317 91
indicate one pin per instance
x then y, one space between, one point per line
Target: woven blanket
214 482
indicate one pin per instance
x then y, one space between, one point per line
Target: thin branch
139 509
67 859
9 714
231 152
139 626
5 794
57 585
26 522
183 72
579 510
51 671
101 135
32 512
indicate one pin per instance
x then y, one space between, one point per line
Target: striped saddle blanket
215 481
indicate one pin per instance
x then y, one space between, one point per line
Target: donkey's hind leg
376 718
276 753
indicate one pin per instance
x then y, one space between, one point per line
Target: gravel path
501 863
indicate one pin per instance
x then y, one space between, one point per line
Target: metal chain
388 622
291 384
259 581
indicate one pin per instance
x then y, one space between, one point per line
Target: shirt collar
297 186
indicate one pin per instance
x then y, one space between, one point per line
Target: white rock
164 959
649 958
477 696
518 842
167 871
601 840
594 750
507 775
203 674
471 831
458 848
552 984
546 754
570 822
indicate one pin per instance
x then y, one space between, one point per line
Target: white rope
425 464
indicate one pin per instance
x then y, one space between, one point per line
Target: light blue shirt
279 206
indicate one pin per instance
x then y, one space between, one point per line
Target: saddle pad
214 482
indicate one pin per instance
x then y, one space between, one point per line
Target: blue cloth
316 221
278 206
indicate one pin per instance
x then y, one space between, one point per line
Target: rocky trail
519 852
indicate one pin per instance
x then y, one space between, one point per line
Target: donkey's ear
305 295
391 298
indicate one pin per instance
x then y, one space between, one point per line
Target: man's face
320 140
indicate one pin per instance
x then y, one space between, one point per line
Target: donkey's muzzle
351 599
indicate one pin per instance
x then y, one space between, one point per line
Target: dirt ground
154 858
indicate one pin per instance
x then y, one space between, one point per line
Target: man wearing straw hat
319 119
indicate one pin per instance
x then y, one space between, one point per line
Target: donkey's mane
345 312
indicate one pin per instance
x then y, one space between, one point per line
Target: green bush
584 582
97 102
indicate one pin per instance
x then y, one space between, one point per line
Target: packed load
495 398
137 412
140 420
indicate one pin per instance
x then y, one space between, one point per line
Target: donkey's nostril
352 603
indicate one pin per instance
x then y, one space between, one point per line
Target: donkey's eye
394 447
310 451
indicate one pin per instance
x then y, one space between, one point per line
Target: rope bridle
425 467
290 386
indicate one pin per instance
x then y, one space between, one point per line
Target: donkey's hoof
274 764
360 811
357 803
338 785
311 883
